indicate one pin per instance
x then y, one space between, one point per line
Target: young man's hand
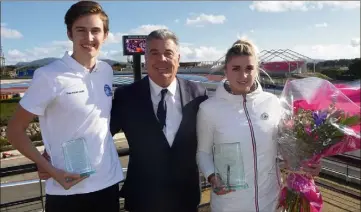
65 179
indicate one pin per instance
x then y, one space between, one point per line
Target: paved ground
333 202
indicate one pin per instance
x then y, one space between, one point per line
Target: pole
137 67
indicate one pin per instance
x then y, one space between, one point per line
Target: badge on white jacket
264 116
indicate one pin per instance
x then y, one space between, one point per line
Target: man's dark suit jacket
160 178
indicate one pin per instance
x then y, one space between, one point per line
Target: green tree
354 68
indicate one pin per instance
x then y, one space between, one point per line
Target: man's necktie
162 109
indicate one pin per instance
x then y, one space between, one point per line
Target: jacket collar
156 89
222 93
182 84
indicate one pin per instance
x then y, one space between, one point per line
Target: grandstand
292 62
276 63
288 62
283 67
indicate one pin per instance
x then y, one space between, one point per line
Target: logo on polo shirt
74 92
107 90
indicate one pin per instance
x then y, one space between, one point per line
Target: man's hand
312 169
43 175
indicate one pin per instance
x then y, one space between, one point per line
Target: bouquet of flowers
318 120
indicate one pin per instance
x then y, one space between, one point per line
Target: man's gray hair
162 34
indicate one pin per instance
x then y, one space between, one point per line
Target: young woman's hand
218 186
312 169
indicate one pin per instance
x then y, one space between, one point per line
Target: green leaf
350 121
338 133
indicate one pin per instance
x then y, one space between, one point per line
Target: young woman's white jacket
252 121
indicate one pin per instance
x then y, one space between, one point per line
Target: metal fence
37 202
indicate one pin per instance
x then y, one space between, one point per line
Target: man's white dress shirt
174 107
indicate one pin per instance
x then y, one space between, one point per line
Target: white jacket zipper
254 153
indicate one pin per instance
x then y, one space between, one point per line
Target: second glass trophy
229 169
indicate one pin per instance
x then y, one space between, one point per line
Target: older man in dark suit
158 117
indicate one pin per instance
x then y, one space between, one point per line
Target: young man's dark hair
85 8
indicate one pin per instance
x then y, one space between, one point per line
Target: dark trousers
98 201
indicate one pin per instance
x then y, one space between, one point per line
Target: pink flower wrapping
319 120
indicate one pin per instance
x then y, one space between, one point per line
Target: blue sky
320 30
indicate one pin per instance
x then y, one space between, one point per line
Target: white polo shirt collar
75 65
156 89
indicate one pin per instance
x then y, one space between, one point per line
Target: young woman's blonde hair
244 47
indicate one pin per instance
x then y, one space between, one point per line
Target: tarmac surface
333 202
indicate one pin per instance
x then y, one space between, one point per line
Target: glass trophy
77 158
229 169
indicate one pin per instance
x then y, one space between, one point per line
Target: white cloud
16 53
176 21
57 48
9 33
14 56
117 37
3 24
65 45
146 29
203 19
242 36
112 55
51 49
201 53
245 35
321 25
355 42
283 6
328 52
114 38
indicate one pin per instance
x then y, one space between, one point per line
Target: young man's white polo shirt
71 103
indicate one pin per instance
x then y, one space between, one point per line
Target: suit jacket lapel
147 102
184 92
185 99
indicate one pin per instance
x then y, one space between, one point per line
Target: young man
72 97
158 117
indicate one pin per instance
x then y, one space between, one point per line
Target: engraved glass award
77 158
229 169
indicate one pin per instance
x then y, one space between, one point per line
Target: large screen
134 44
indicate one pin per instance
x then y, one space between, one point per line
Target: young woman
235 130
